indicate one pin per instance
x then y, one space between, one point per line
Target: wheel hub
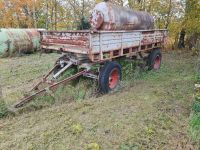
113 79
157 62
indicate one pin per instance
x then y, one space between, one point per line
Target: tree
190 26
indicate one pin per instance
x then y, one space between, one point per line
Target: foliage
197 97
192 15
84 24
49 14
131 69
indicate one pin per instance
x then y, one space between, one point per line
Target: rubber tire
152 57
104 76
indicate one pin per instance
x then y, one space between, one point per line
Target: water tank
18 41
107 16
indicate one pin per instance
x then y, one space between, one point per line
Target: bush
131 69
195 126
196 107
197 97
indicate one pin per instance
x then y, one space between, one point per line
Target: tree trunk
181 41
55 15
47 12
168 15
192 41
52 11
34 15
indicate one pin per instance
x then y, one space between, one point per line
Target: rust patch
73 38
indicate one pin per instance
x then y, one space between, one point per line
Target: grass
20 73
149 112
195 114
3 109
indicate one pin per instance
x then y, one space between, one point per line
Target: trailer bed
103 45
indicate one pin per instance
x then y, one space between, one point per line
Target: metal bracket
90 75
62 70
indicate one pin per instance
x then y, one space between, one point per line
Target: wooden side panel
66 41
131 39
105 45
108 41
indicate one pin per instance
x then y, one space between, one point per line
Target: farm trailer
84 49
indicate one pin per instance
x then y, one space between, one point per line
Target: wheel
154 59
109 77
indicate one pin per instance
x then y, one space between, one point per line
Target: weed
93 146
76 129
80 94
3 108
197 97
149 131
131 69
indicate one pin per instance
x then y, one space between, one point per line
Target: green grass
20 73
3 108
151 111
195 126
195 114
196 107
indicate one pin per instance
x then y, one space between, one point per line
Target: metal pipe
62 70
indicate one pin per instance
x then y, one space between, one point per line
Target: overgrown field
20 73
151 111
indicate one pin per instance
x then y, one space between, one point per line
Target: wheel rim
113 79
157 62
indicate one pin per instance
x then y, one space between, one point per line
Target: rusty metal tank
18 41
107 16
